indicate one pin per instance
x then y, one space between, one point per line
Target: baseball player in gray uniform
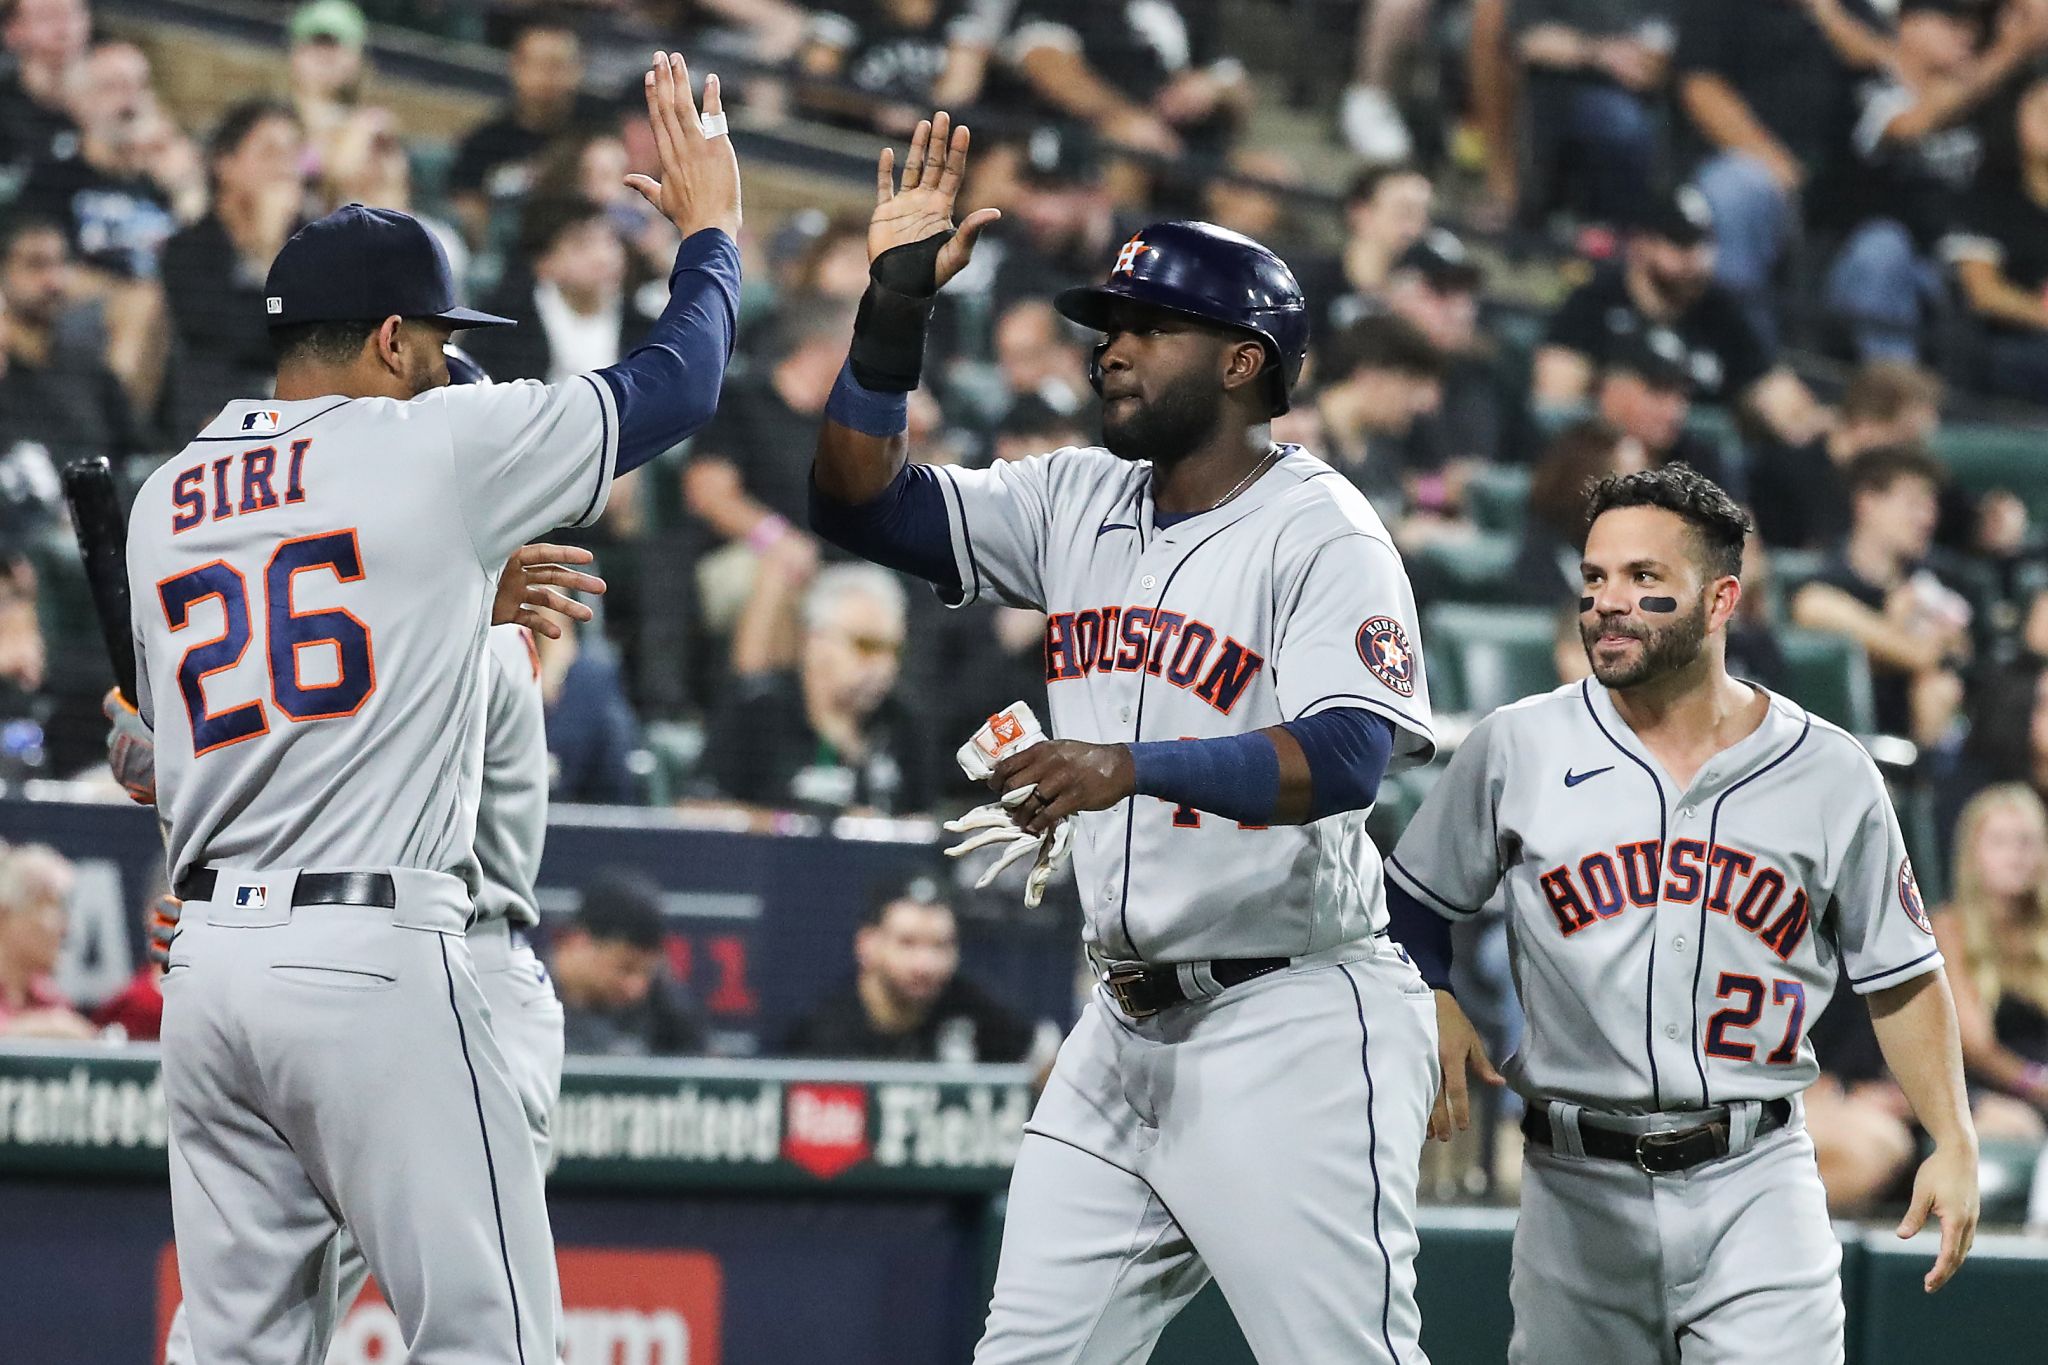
312 580
1232 667
1684 859
511 829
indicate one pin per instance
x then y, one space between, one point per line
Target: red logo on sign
827 1128
619 1307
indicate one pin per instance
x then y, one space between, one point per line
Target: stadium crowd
1801 245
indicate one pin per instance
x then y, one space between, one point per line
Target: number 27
287 631
1745 1015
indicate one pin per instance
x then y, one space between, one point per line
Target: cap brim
1091 306
470 317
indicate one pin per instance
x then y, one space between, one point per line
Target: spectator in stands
811 721
908 1001
1592 96
2008 737
1645 389
24 657
593 165
1253 197
1389 31
1038 358
365 163
591 728
132 176
1993 934
1386 210
885 64
1147 78
1379 376
136 1011
1053 192
214 270
55 386
35 908
1554 530
1880 592
609 969
1919 154
1666 279
748 478
1766 86
47 40
495 163
569 297
1034 427
2000 251
834 262
1435 284
1799 495
327 70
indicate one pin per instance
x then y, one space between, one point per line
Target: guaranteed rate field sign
625 1125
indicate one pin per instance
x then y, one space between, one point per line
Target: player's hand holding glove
1008 732
131 749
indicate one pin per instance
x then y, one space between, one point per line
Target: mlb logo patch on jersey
251 897
261 422
1383 645
1909 896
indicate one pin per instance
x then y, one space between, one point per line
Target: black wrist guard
888 331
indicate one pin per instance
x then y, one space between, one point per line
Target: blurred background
1802 244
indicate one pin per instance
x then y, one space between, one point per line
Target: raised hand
528 588
700 177
922 204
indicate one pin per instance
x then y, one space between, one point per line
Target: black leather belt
1143 991
311 888
1662 1153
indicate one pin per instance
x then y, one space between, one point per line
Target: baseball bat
101 525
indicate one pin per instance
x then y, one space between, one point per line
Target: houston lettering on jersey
1602 885
1190 654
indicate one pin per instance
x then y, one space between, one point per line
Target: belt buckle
1119 977
1668 1140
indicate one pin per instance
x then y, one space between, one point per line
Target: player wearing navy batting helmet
1232 665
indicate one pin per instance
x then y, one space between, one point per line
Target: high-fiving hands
700 176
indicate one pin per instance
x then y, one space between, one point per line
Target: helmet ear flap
1095 366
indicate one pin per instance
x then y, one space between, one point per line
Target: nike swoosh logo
1572 779
1109 526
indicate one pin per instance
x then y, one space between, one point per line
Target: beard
1165 429
1665 650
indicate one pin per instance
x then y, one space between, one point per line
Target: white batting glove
1009 731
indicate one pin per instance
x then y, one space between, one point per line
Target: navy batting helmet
1203 271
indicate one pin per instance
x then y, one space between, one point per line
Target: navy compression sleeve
667 389
1347 749
1238 776
1423 932
904 528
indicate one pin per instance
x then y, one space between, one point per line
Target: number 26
286 630
1745 1015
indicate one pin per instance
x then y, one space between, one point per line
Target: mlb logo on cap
260 421
251 897
273 304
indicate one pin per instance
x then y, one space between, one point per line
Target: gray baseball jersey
1146 1162
1670 945
312 582
512 819
1288 600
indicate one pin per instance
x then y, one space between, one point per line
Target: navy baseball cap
362 263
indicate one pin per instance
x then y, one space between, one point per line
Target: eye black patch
1585 604
1657 603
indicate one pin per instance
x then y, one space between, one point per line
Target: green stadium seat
1828 675
1498 497
1478 569
1482 657
1985 457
